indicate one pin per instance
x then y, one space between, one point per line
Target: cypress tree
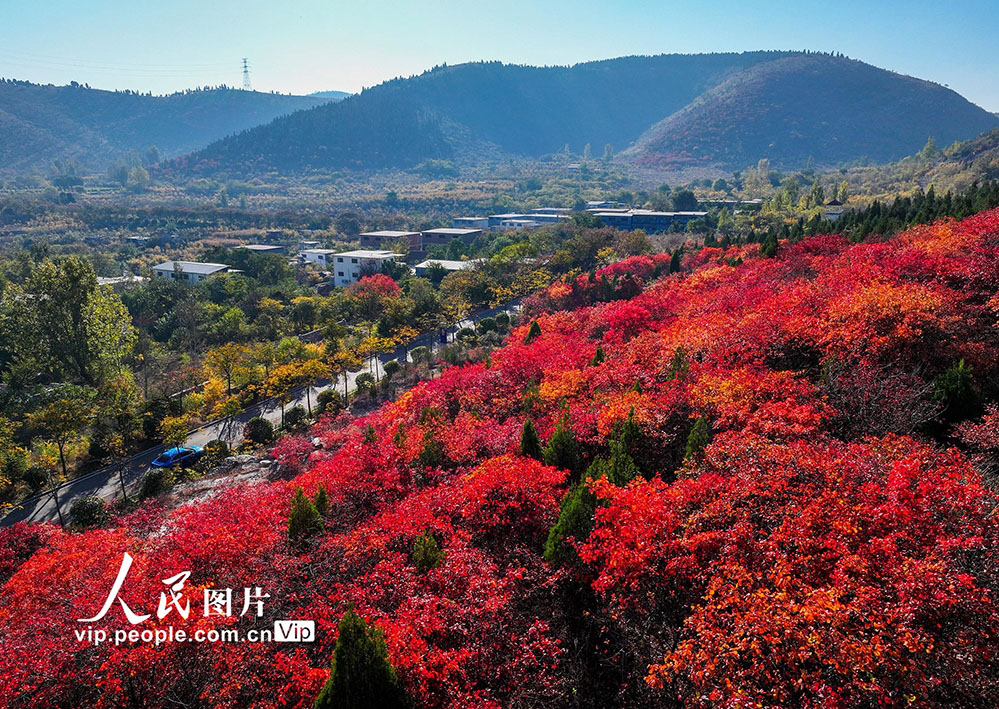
575 520
303 519
533 333
362 676
530 444
562 450
697 441
432 455
598 356
427 553
321 501
679 366
955 392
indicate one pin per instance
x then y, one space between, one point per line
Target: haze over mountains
39 124
724 110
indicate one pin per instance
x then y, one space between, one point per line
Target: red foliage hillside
830 543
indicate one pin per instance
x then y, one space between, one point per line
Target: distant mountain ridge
826 108
41 123
724 110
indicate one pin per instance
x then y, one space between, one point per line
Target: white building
350 266
190 271
321 257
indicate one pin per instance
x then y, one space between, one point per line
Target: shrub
320 500
364 383
503 321
530 444
391 368
699 438
533 333
328 400
291 452
955 392
485 325
562 450
215 452
89 511
420 354
427 553
155 482
362 676
303 519
258 430
295 417
465 334
575 520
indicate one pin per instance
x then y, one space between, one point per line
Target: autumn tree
225 361
61 323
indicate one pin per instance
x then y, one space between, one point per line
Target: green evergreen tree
533 333
562 450
370 438
676 261
575 520
699 438
362 676
321 500
598 356
955 392
679 366
620 467
427 553
432 455
530 444
770 245
303 519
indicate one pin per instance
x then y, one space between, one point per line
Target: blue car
178 456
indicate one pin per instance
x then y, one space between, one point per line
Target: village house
190 271
350 266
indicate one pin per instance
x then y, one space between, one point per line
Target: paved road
106 482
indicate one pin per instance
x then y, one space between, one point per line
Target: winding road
106 482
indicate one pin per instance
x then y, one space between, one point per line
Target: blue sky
299 46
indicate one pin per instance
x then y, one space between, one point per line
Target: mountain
334 95
486 109
673 110
822 107
39 124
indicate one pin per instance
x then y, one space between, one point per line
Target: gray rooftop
191 267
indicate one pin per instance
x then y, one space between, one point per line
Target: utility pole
246 76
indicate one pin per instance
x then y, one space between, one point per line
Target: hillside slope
766 482
827 108
483 110
953 169
41 123
708 109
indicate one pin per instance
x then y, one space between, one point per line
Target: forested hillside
39 124
813 107
725 110
733 477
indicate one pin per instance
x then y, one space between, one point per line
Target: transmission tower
246 76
